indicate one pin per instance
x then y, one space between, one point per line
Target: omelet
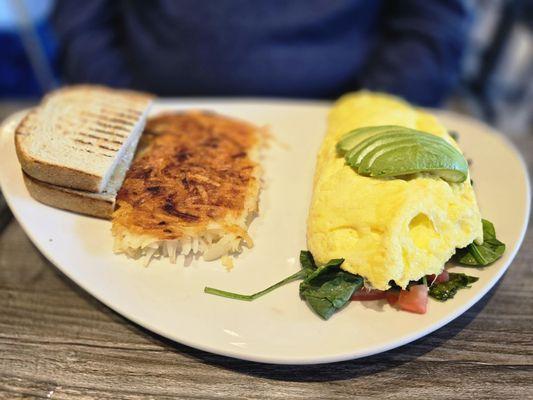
386 229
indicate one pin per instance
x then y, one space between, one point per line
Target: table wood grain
57 342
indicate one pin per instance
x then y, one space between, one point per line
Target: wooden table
58 342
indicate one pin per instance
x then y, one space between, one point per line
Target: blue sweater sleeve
419 53
89 49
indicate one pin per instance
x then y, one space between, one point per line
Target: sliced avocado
390 150
421 157
354 156
455 176
350 139
408 157
365 166
426 140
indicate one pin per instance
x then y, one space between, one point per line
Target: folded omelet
386 229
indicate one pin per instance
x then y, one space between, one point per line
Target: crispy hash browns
192 188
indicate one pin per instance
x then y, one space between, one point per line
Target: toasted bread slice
77 136
99 205
94 204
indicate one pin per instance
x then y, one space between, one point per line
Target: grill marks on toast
120 117
101 138
90 151
99 133
120 128
102 123
89 147
104 132
94 128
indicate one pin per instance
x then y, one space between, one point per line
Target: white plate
278 328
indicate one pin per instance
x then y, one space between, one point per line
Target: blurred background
478 54
472 56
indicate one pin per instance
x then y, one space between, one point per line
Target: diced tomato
444 276
392 296
365 295
415 299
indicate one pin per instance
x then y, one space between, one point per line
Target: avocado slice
350 139
365 166
426 140
421 157
354 156
390 150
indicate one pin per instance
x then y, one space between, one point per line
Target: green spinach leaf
446 290
329 288
308 266
479 255
326 289
307 260
249 297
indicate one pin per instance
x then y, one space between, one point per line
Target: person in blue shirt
279 48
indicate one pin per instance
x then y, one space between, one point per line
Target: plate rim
344 356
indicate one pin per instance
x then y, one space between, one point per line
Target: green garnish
308 266
392 151
249 297
329 288
446 290
326 289
479 255
307 260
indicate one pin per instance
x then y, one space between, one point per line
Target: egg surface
386 229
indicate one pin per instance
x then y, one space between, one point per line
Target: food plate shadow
5 218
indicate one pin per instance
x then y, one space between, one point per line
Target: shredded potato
191 189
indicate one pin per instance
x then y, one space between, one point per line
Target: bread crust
99 205
47 172
70 176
